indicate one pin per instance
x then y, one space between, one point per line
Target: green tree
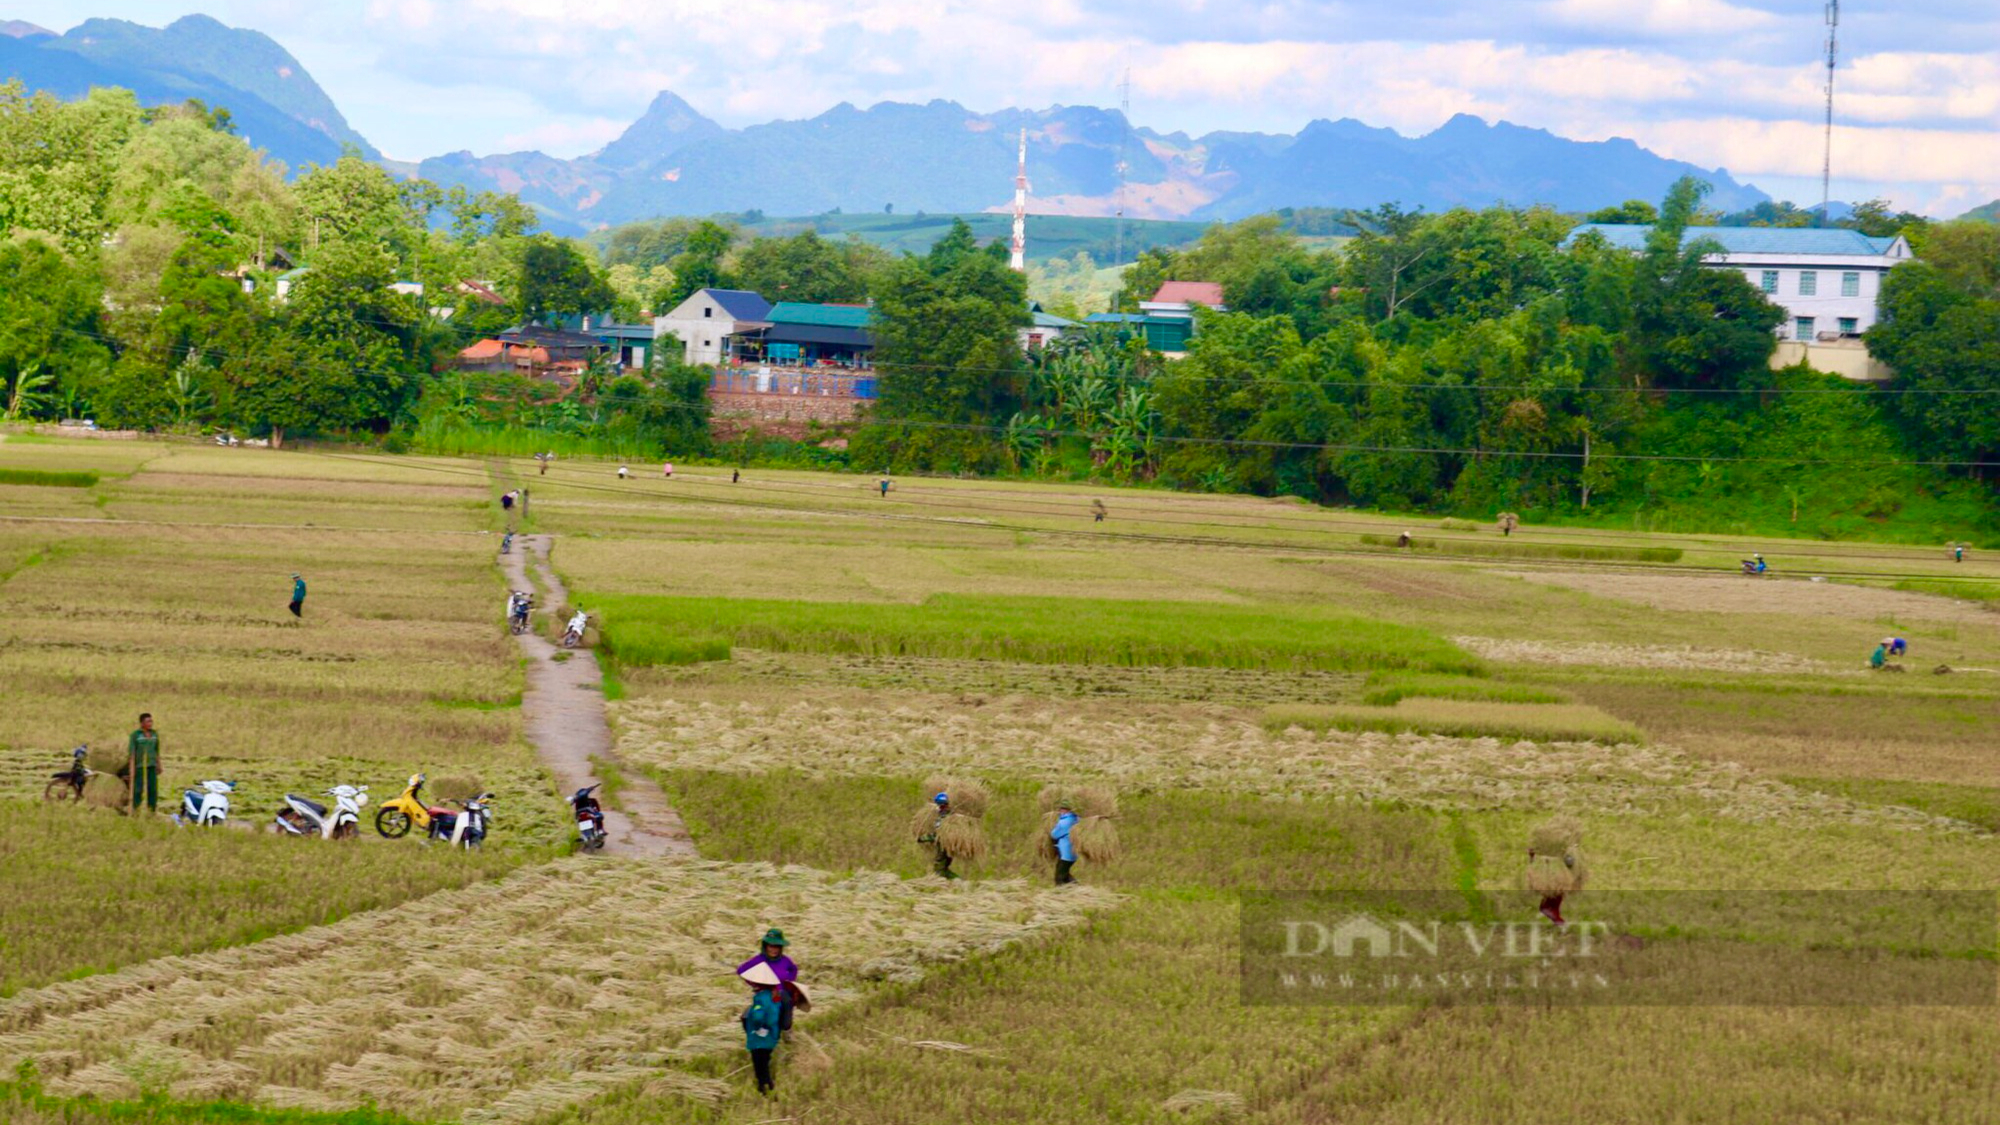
699 265
1635 211
51 310
806 267
558 280
1942 340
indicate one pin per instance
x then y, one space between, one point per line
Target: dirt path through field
563 710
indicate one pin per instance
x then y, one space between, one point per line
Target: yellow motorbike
401 813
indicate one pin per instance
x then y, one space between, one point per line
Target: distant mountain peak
669 123
22 29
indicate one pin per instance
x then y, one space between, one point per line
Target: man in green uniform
144 750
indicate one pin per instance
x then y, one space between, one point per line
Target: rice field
794 657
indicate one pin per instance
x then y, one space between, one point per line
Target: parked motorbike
303 816
401 813
1755 565
589 818
573 635
68 785
465 828
207 806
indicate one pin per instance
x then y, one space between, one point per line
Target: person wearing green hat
772 953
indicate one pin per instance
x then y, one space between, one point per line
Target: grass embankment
48 478
1036 630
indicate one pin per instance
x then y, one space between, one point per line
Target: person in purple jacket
772 953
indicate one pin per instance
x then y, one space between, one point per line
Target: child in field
762 1021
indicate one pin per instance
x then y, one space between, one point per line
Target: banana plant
29 393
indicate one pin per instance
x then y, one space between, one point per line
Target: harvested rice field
1278 702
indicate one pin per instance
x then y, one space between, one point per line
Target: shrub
48 478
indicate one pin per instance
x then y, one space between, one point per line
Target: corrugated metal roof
740 304
1190 292
823 334
1810 241
1041 319
833 316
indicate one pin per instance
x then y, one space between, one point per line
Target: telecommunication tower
1832 52
1124 137
1018 255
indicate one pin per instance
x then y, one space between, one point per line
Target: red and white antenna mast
1018 258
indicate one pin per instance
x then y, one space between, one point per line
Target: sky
1736 84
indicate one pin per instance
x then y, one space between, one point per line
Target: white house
708 318
1826 280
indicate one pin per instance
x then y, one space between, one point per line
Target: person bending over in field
1555 864
1065 845
762 1021
940 859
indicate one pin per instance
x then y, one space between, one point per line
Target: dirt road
563 710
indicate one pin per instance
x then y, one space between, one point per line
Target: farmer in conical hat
1065 846
940 859
763 1020
771 952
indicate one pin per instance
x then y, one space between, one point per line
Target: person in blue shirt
298 595
1065 847
762 1023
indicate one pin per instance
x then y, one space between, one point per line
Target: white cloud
1658 18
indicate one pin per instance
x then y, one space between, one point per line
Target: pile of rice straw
959 834
1555 859
1094 835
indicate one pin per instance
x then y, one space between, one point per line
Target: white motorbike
207 806
303 816
465 828
573 636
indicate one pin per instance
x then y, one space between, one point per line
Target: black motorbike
589 818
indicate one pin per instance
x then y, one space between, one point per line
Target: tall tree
558 279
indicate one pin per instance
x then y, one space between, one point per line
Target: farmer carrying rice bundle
949 823
1077 824
1555 864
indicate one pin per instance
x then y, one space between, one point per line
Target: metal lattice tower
1124 137
1832 52
1018 255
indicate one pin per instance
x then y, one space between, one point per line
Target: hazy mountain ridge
940 156
271 97
932 157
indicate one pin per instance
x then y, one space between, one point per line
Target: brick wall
751 407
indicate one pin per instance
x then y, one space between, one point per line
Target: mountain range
941 156
936 157
271 99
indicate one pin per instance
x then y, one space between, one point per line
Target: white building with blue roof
1826 280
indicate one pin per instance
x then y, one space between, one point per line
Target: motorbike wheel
347 831
597 842
393 824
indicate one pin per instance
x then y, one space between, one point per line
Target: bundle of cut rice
959 833
1095 835
967 796
1555 857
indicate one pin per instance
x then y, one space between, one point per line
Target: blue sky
1721 83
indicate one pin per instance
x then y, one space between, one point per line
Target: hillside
271 98
1990 213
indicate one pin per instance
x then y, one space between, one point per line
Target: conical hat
761 973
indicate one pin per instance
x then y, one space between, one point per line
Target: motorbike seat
316 808
435 811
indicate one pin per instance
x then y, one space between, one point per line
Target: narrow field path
562 708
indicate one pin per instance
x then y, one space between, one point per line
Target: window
1769 283
707 311
1802 327
1850 284
1850 326
1808 283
